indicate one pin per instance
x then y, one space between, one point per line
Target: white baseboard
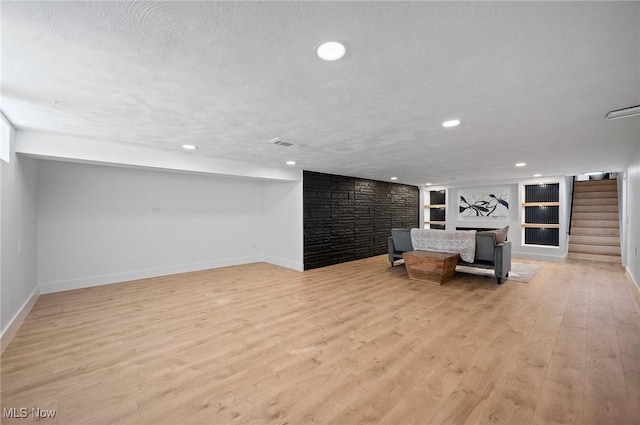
633 279
86 282
284 263
539 257
16 321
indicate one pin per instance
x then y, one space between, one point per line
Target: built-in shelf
541 209
435 213
541 204
541 226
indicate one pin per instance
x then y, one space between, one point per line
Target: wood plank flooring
355 343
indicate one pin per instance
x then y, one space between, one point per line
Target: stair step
594 240
604 182
610 224
594 201
593 188
594 249
595 215
594 257
595 195
612 207
594 231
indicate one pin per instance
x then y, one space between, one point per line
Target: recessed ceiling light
189 147
537 175
330 51
291 163
451 123
428 184
394 178
521 164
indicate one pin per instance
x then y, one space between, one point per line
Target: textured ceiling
530 81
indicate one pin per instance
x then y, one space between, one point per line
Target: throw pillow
500 234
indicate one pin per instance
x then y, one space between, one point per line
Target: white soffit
73 149
530 81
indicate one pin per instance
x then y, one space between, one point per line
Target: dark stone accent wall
348 218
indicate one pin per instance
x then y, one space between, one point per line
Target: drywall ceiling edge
73 149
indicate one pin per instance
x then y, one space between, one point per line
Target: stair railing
573 184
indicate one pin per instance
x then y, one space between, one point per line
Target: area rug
521 272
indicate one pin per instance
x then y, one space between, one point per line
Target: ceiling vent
631 111
279 142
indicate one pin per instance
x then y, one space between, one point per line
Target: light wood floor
348 344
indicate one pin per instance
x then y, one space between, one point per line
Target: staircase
595 226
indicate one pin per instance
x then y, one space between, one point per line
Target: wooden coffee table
430 266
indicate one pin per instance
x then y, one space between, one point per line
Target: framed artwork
484 205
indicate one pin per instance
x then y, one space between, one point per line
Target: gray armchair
491 255
399 242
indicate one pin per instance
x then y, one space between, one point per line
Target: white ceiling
531 82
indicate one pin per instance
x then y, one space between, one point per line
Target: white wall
631 223
514 219
18 235
99 225
283 231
